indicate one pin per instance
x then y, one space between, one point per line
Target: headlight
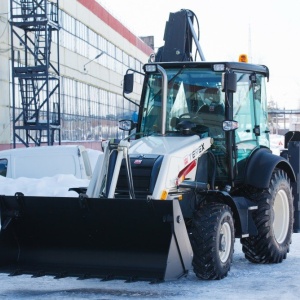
219 67
150 68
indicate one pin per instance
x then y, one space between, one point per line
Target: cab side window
243 112
260 100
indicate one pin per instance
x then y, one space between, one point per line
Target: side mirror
229 82
230 125
128 83
126 125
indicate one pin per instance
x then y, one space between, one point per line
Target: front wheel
274 222
212 239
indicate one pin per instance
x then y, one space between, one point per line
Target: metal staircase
35 72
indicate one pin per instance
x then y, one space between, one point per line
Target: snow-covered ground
245 281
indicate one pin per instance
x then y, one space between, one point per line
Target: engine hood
161 145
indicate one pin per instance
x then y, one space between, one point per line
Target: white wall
4 74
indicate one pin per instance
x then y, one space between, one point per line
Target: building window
86 42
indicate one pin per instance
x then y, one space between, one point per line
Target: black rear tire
274 221
212 239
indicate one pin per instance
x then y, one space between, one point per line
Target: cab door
249 110
261 114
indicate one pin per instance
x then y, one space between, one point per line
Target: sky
268 31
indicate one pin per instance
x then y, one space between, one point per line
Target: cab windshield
194 100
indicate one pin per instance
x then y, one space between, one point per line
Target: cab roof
235 66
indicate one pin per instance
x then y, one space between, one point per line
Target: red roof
115 24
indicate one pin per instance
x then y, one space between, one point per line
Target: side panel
38 162
293 155
38 166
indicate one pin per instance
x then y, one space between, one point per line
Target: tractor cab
225 101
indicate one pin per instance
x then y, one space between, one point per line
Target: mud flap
89 237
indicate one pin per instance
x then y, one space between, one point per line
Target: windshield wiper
176 75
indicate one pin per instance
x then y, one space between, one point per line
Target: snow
245 280
47 186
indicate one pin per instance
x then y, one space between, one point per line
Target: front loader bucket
88 237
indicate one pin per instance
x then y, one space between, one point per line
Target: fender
261 165
241 208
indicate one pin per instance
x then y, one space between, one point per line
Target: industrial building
62 67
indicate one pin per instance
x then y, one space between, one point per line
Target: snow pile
57 186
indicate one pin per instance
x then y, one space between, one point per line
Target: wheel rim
225 242
281 216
